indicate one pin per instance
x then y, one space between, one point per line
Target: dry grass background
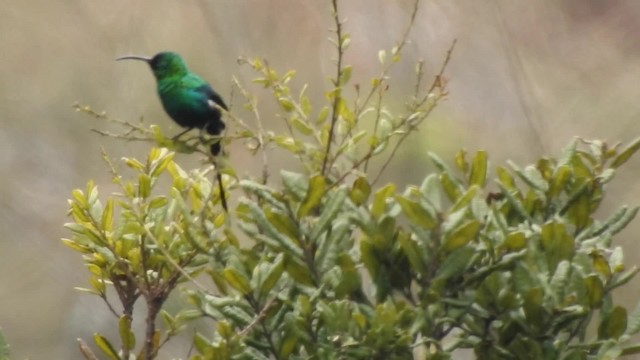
525 78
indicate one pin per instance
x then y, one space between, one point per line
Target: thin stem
86 350
337 95
260 135
375 126
438 82
398 49
173 261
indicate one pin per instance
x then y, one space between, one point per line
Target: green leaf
595 290
126 335
461 236
133 163
505 178
345 75
302 126
272 275
329 213
559 180
269 231
461 161
237 280
144 186
568 153
286 104
560 279
106 347
360 191
534 311
369 257
167 319
413 252
614 324
515 241
107 216
322 115
450 187
626 153
478 175
315 192
456 262
634 321
416 213
159 166
557 242
380 200
202 344
283 224
531 176
430 190
464 200
298 271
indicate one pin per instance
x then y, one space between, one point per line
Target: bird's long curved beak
133 57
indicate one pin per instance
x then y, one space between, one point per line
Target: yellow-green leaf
302 126
478 175
626 153
106 347
315 192
360 191
595 290
107 215
237 280
515 241
345 75
380 200
126 335
450 188
144 186
462 235
461 161
416 213
614 324
273 275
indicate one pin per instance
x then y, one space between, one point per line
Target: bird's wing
213 96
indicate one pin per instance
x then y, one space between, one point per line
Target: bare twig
397 50
258 318
337 95
111 308
172 260
86 350
375 125
378 87
438 82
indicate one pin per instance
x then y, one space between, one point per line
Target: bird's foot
176 137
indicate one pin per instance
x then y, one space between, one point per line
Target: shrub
326 263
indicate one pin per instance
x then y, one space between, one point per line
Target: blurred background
525 78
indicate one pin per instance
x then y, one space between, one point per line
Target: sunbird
189 100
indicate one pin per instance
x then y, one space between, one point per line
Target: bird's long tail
223 197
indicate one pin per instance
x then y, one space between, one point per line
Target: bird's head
164 64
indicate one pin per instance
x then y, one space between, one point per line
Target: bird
189 100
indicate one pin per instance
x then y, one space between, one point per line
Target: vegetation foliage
326 263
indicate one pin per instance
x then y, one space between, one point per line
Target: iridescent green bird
189 100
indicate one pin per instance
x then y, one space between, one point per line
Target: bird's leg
201 135
175 138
